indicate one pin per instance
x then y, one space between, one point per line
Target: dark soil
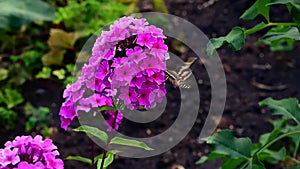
242 113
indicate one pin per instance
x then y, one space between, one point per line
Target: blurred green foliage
15 13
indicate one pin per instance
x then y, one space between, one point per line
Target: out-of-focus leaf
235 39
70 68
45 73
54 57
7 118
15 13
3 74
288 108
61 39
260 7
12 97
160 6
60 74
17 74
32 59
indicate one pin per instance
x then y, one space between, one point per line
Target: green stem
270 24
109 139
275 140
268 145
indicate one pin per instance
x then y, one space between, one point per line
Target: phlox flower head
128 62
26 152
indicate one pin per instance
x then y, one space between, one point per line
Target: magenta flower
26 152
136 54
146 39
159 48
127 62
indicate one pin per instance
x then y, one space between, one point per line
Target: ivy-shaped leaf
235 39
3 74
281 38
11 98
60 74
225 143
288 108
260 7
160 5
45 73
61 39
54 57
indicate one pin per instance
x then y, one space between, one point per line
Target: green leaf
45 73
12 98
230 163
235 39
3 74
7 118
108 160
15 13
79 158
60 74
32 59
54 57
70 68
271 156
260 7
103 108
160 6
211 156
256 164
286 107
225 143
61 39
17 73
101 135
129 142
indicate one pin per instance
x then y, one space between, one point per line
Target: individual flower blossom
127 62
136 54
146 39
159 48
26 152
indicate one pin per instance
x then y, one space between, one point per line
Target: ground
246 71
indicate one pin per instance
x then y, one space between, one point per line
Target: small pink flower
136 54
146 39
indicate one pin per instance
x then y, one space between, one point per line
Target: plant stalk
256 29
108 140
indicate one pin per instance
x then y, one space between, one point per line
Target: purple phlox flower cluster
127 62
26 152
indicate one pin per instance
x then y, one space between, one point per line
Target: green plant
103 160
242 153
281 36
38 119
86 17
